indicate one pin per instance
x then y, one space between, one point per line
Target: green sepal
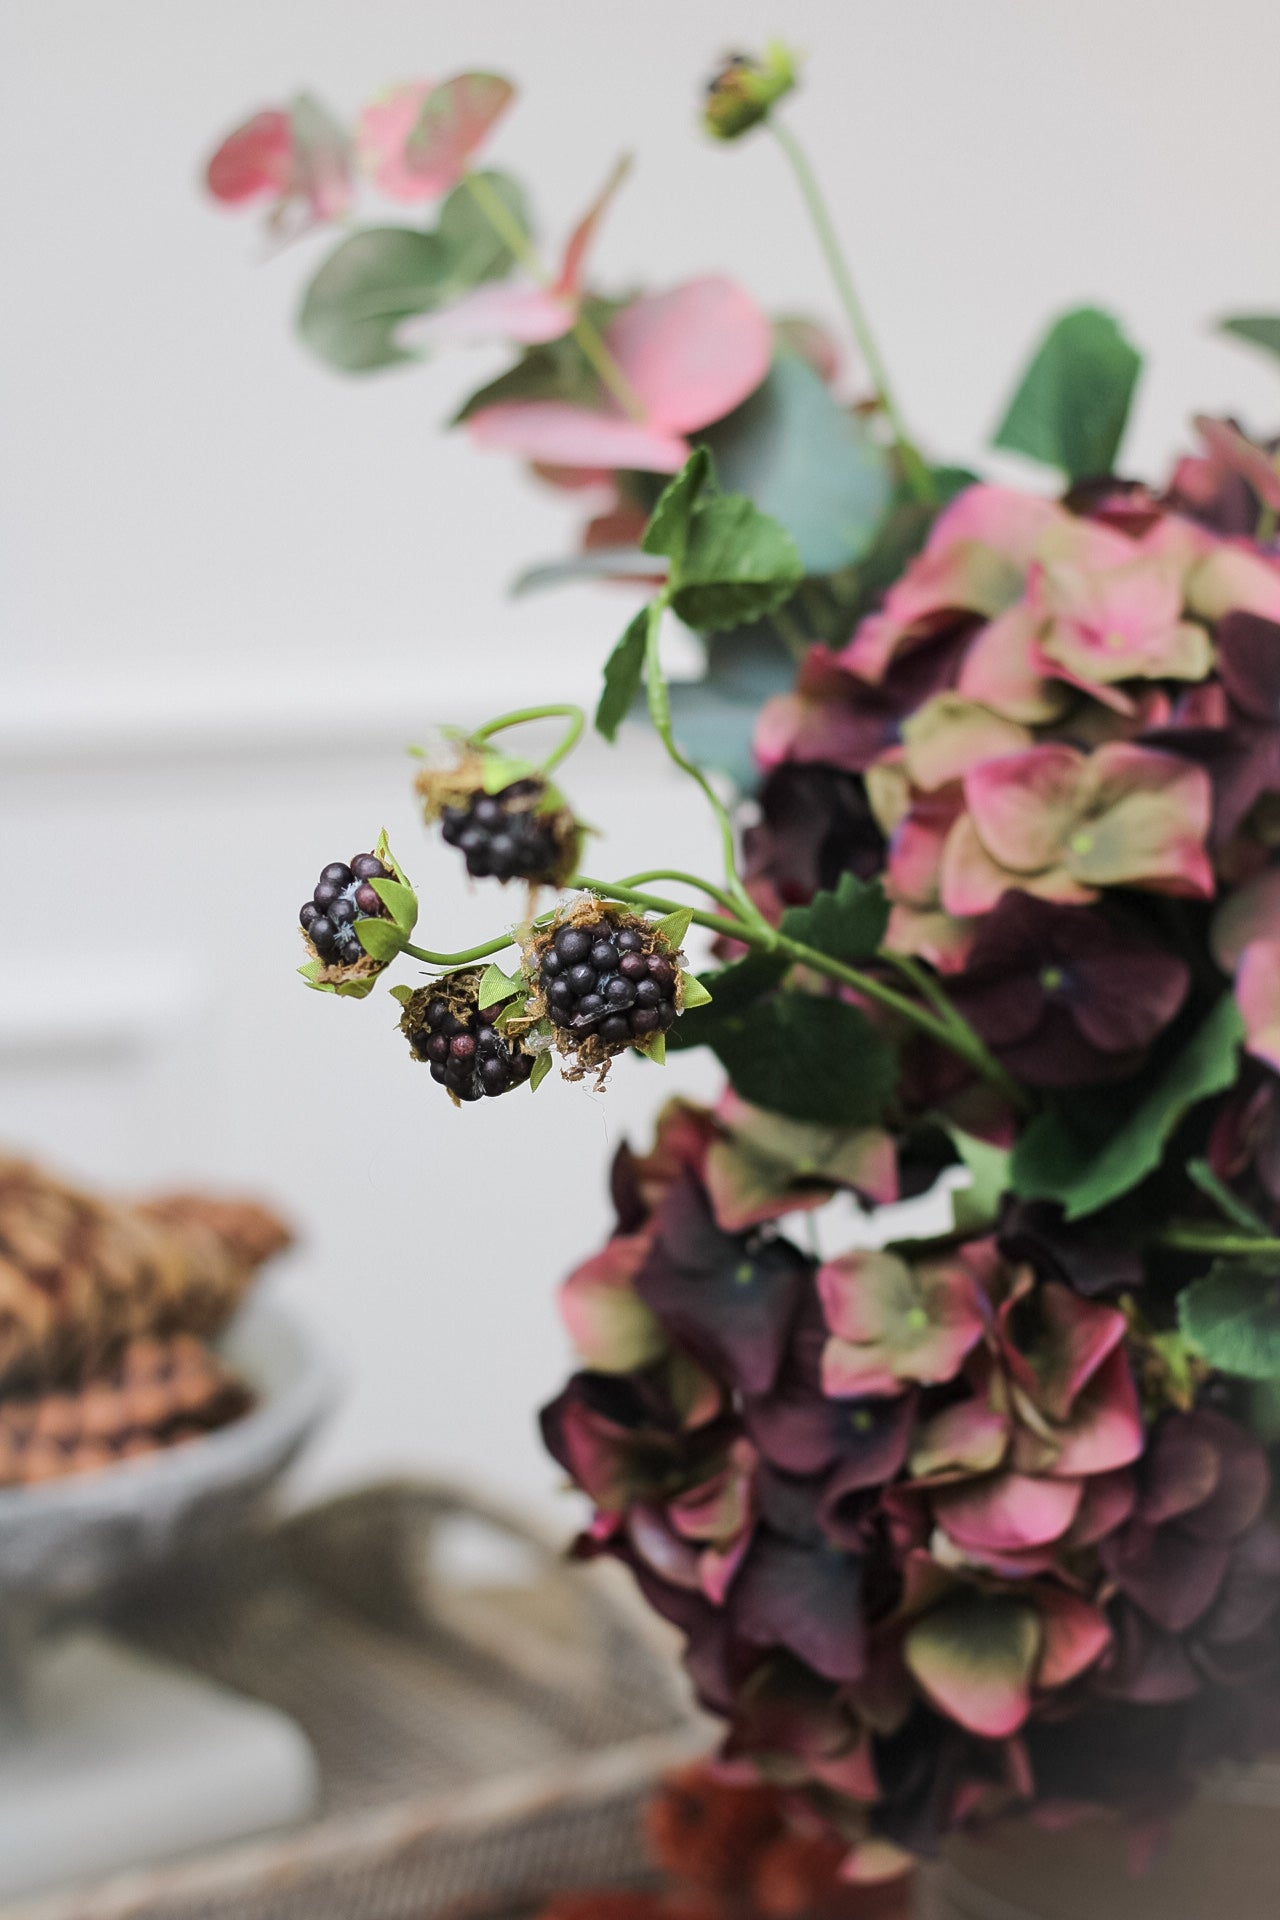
656 1050
694 993
541 1068
673 928
501 770
381 939
495 985
1231 1318
401 993
622 672
400 901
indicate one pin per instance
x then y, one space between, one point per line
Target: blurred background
235 585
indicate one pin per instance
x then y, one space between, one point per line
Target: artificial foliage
970 1509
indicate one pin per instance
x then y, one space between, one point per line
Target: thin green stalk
460 959
509 230
633 897
916 472
1193 1239
1228 1204
574 715
685 880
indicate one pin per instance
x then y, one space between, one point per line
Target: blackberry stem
573 732
685 880
1194 1239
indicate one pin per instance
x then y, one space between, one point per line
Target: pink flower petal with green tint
951 580
1234 579
1007 1512
1025 805
1002 669
970 1437
949 735
974 1657
1145 817
1105 1428
453 121
1073 1338
1011 523
1231 449
894 1322
610 1328
569 436
972 882
768 1166
1123 623
1251 913
692 354
1075 1636
1258 997
913 874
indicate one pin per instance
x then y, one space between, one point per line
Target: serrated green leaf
810 1058
541 1068
1073 401
668 529
1259 329
380 938
673 928
400 901
1231 1318
848 924
694 993
495 985
737 564
734 990
1079 1155
622 673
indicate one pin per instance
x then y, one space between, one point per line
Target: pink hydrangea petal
1258 997
691 354
1251 913
1024 805
1075 1337
1002 670
1105 1430
952 580
1234 579
974 1657
970 1437
570 436
1231 449
1011 523
913 874
949 735
1076 1635
850 1372
610 1328
1007 1512
1148 817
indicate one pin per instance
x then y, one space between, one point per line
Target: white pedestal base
125 1761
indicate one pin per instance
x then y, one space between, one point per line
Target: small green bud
741 94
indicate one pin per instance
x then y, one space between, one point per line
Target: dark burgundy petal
815 824
1148 1666
1248 647
1250 1594
1123 1001
1173 1578
1033 1232
787 1595
730 1297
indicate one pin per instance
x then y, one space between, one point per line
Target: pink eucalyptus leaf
1007 1512
569 279
692 354
255 161
321 159
974 1657
453 121
502 310
381 132
569 436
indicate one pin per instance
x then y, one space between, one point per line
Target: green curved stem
915 470
573 733
717 894
460 959
1192 1239
654 903
512 234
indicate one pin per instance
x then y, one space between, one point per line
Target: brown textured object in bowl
158 1393
79 1275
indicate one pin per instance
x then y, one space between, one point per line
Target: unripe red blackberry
459 1040
342 897
608 982
523 831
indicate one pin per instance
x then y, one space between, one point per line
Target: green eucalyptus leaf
673 928
599 563
541 1068
400 901
848 924
380 938
495 985
694 993
1259 329
1073 401
808 1057
1086 1153
1231 1318
668 528
622 675
737 564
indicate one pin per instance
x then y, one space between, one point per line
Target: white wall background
234 584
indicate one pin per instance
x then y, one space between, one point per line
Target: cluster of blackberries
605 980
461 1044
342 896
504 836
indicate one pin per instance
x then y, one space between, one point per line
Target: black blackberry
513 834
460 1042
342 897
609 981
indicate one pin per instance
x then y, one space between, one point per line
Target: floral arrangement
965 1511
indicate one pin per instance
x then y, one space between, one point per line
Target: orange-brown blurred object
79 1276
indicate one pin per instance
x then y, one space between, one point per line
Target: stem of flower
573 733
915 471
512 234
1194 1239
450 960
685 880
1224 1200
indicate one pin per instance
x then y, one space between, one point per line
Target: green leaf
382 276
810 1058
673 928
655 1050
695 994
541 1068
1070 1153
380 938
848 924
622 676
403 994
455 117
400 901
495 985
1073 402
737 564
668 528
975 1207
1259 329
1231 1318
806 461
734 990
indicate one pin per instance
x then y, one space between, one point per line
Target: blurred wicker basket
482 1741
